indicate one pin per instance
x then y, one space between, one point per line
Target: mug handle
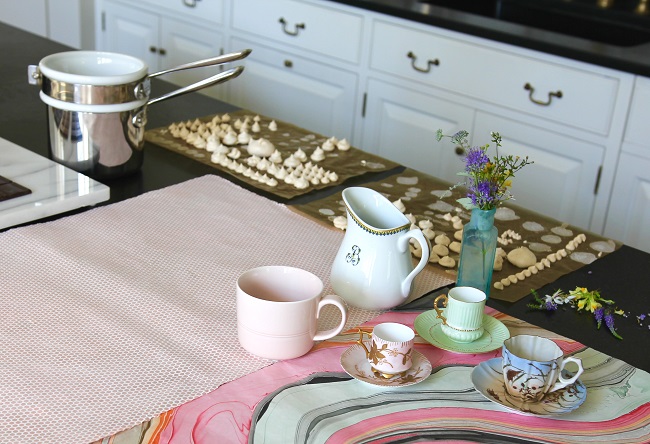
562 381
332 299
439 314
403 245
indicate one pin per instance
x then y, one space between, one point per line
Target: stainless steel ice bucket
97 107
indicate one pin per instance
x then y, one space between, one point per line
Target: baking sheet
287 139
428 198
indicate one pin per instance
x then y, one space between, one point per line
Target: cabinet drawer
495 76
311 95
320 29
207 10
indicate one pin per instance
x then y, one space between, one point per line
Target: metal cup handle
439 314
139 118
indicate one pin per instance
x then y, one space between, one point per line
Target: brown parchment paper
287 139
421 196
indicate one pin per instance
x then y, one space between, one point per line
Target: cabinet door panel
184 43
131 31
400 124
561 182
638 130
628 217
314 96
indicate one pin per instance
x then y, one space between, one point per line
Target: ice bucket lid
92 78
93 68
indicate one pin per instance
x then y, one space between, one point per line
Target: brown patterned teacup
391 348
532 367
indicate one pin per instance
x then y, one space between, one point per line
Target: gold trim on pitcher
372 230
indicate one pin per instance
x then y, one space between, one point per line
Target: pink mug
278 309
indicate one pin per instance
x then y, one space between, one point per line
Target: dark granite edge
632 59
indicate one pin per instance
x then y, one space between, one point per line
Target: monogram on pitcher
373 268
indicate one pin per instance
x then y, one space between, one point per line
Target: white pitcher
373 268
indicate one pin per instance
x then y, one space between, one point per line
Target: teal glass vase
477 251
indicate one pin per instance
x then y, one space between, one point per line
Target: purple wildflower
551 305
482 194
609 322
475 160
598 314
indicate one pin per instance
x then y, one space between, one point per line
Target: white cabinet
286 87
387 84
30 15
162 40
400 124
478 70
568 117
131 31
65 21
629 209
304 64
562 180
317 27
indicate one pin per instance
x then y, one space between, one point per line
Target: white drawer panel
324 30
207 10
312 95
495 76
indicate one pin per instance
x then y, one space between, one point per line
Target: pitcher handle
403 245
332 299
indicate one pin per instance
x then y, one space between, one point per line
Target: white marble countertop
55 188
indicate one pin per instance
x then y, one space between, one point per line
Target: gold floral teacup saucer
355 363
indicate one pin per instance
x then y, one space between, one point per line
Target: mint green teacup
462 317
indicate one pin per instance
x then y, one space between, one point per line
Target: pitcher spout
373 212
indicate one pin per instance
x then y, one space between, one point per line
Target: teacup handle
562 381
332 299
439 314
403 245
361 343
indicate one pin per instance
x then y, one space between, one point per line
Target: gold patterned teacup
391 348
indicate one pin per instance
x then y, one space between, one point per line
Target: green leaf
466 202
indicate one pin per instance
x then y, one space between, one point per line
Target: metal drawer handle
296 30
190 3
413 58
528 87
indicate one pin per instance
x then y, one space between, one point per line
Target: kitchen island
622 275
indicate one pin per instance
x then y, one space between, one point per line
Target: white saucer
487 378
428 327
355 363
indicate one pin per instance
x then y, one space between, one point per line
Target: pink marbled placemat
118 314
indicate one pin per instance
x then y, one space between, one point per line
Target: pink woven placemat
115 315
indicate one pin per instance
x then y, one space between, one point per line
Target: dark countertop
621 275
632 59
